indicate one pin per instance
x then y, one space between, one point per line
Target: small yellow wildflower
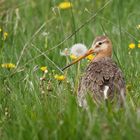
8 65
73 57
138 26
131 45
139 45
44 69
59 77
0 30
5 35
90 57
65 5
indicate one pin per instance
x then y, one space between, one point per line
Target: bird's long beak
80 58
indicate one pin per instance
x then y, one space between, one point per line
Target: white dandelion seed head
78 49
65 52
45 33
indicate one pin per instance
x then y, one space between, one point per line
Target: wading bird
102 78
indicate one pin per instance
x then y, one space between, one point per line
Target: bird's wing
100 73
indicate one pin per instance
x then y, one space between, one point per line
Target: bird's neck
102 55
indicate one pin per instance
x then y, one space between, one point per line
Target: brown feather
101 73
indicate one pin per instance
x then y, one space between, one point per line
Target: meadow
37 100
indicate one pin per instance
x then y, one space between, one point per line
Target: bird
102 79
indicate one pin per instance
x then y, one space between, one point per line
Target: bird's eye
100 43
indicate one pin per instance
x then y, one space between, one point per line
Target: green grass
26 113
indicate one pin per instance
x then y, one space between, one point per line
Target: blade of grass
71 35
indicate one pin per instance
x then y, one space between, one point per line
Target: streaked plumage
103 79
98 75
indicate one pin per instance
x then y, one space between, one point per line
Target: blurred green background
31 108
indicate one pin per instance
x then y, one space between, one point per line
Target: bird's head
101 46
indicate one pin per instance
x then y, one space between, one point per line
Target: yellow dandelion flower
131 45
59 77
73 57
65 5
8 65
44 69
139 45
90 57
0 30
5 35
138 26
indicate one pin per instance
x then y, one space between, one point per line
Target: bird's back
101 75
